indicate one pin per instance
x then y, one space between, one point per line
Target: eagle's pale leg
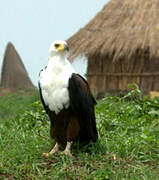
67 150
53 150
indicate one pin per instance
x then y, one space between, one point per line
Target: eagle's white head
59 48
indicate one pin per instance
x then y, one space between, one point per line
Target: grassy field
128 145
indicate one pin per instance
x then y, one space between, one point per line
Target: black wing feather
82 103
42 100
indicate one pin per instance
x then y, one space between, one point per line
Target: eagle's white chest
54 84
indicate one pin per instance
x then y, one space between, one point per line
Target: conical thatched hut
14 75
122 46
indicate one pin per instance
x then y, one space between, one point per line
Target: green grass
128 145
11 104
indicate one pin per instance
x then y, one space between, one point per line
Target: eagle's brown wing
82 103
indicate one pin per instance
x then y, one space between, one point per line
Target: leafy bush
130 124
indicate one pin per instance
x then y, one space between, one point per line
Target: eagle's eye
57 45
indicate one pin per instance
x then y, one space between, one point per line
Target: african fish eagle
67 100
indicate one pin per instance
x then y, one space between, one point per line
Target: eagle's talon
67 153
46 155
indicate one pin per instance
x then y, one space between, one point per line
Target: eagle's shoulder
82 86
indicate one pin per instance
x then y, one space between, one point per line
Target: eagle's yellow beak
61 47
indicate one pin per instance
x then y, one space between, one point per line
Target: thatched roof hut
14 75
122 46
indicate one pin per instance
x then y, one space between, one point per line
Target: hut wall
155 80
95 79
105 75
150 80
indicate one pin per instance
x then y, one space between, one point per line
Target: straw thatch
121 44
14 75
